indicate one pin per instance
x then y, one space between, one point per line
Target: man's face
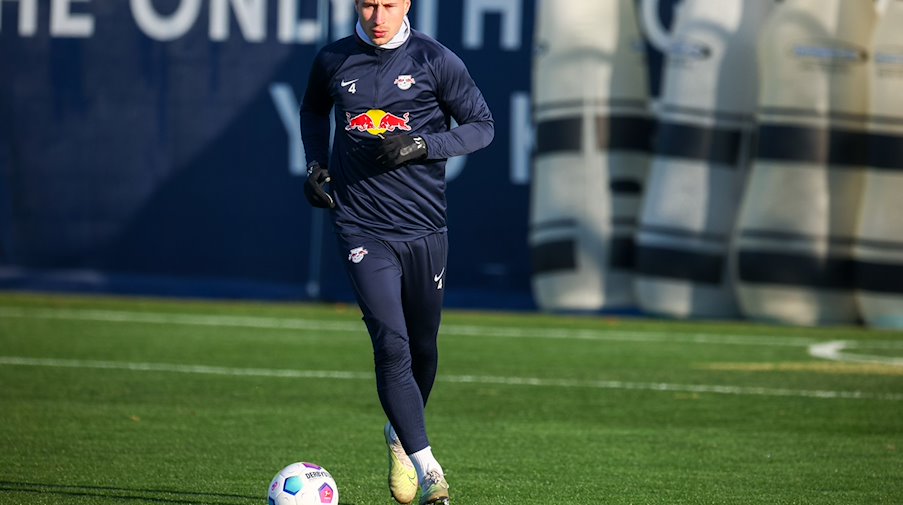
382 19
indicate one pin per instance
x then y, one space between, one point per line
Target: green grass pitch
135 401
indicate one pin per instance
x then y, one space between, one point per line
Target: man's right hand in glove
315 187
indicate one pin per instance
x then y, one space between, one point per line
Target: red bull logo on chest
377 122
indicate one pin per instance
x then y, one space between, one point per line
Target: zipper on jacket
380 54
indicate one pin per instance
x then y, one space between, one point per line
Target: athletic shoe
435 489
402 475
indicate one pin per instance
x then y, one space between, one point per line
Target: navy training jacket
415 89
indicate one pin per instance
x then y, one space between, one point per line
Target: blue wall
131 164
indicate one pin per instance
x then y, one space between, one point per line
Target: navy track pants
399 287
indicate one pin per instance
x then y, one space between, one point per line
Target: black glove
400 149
314 188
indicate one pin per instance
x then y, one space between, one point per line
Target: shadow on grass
120 493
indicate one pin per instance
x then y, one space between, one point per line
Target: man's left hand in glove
400 149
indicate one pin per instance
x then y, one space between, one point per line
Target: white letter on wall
427 17
250 14
287 107
522 138
343 18
476 10
65 24
28 17
292 30
165 28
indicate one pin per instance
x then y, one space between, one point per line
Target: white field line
834 351
612 335
464 379
176 368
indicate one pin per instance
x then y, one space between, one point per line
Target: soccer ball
303 484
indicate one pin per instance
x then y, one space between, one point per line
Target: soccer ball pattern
303 484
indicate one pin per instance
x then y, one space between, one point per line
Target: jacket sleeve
458 93
315 108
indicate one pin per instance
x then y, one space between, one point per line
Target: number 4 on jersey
351 89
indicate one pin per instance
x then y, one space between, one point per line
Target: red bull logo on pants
377 122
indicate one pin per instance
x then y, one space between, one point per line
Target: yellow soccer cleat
402 476
435 489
